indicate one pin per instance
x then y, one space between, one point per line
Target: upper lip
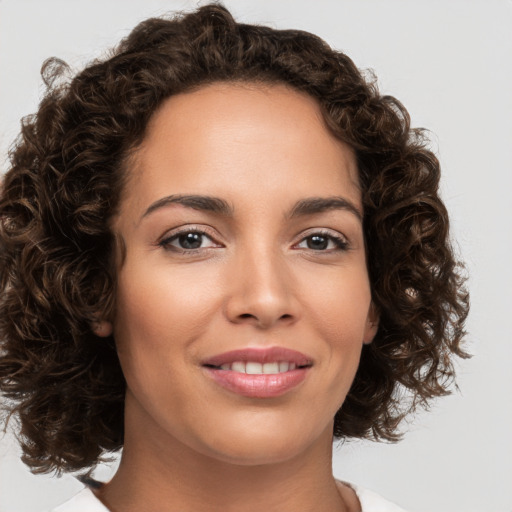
260 355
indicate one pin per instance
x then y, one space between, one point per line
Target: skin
254 282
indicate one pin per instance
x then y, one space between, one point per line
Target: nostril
260 315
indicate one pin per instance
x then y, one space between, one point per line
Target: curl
57 251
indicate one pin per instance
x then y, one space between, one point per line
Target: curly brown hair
65 384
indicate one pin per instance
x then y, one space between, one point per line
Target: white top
86 501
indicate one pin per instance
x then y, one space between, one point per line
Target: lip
258 385
259 355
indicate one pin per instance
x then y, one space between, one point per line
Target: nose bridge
262 290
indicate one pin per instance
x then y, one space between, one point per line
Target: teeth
284 366
239 366
271 368
254 368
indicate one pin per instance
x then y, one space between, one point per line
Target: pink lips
259 385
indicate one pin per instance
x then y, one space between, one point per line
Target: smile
259 373
255 368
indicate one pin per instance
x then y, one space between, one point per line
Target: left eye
188 240
322 242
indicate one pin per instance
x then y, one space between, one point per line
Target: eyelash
340 242
166 242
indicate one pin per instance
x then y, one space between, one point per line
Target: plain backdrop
450 63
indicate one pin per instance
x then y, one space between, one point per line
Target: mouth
259 373
255 368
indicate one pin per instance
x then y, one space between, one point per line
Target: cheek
161 314
339 313
340 306
155 305
158 318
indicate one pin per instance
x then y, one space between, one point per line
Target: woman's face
243 301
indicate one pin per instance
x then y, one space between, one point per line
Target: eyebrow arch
196 202
313 205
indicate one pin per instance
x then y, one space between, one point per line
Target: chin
266 445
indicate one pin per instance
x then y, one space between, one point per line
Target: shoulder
84 501
372 502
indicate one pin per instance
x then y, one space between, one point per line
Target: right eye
191 240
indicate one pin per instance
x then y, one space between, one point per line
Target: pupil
190 240
317 242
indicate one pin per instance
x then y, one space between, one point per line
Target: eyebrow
314 205
304 207
196 202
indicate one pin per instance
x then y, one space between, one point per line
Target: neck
158 473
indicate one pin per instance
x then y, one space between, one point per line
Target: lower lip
258 385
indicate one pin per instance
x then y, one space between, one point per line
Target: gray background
450 63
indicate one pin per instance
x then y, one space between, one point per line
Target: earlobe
372 324
103 328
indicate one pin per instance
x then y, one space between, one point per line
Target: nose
262 291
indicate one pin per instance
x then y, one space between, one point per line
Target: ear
372 324
103 328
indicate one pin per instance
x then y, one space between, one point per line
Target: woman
221 247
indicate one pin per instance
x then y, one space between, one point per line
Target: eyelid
189 228
342 242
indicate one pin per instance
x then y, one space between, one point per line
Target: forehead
261 137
